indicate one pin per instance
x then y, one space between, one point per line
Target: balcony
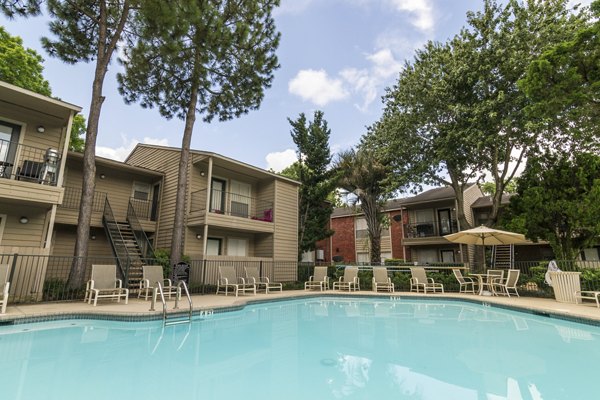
28 163
430 229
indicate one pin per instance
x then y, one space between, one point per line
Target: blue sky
337 56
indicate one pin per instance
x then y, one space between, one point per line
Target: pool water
324 348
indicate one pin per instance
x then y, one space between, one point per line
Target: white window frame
239 240
220 240
144 185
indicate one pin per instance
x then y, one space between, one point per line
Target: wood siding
286 221
470 196
18 236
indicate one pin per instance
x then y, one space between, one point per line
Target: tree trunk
370 208
105 51
178 223
460 206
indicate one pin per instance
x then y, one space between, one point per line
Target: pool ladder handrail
159 290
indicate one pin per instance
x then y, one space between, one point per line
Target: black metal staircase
126 249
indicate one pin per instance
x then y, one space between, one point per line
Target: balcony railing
142 208
430 228
72 199
28 163
233 204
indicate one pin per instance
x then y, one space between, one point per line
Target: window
237 247
361 228
447 256
240 198
141 191
217 195
363 258
2 223
385 256
9 138
213 246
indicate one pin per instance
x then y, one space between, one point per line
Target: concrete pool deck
140 308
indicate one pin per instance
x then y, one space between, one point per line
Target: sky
337 56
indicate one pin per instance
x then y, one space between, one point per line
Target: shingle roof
486 201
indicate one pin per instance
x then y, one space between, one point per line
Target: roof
117 164
216 155
486 201
48 106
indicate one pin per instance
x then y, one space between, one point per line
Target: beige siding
470 196
166 161
263 245
17 235
286 221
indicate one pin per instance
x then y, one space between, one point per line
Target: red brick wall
343 242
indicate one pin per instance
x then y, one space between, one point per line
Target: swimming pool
317 348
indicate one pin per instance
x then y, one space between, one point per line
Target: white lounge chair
464 281
228 279
153 274
253 276
4 287
349 281
319 280
492 276
420 280
508 284
381 280
104 284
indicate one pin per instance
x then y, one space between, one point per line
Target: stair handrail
138 232
109 217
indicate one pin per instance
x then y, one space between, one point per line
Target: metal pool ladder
175 319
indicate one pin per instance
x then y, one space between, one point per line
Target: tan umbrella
482 235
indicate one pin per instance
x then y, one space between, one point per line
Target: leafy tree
458 109
563 85
558 200
84 31
361 174
489 188
21 66
212 58
312 169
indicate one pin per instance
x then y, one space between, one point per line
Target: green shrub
163 257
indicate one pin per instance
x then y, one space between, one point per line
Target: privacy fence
36 278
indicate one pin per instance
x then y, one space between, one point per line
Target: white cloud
422 10
279 160
317 87
120 153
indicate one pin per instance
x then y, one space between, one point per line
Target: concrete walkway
137 307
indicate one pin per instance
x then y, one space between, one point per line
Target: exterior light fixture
41 129
198 236
202 173
102 176
23 220
93 237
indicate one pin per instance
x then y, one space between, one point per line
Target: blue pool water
329 348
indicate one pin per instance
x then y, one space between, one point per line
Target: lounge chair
151 276
228 279
349 281
104 284
4 286
464 281
420 280
253 276
508 284
318 280
381 280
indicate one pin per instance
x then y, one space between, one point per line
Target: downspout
206 212
402 233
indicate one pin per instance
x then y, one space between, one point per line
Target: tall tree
210 57
460 101
361 174
313 168
84 31
558 201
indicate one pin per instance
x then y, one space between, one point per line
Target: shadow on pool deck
137 307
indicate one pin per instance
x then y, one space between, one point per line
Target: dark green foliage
363 175
558 200
76 141
163 257
12 8
312 170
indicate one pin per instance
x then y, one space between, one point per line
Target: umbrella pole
483 244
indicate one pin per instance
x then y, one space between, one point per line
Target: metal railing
114 234
142 208
138 231
72 199
430 228
233 204
29 163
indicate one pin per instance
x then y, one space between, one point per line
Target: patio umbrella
483 236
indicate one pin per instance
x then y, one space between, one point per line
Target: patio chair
505 285
104 284
319 279
151 276
4 286
420 280
464 281
349 281
253 276
228 279
381 280
492 275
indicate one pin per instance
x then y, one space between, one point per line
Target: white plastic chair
104 284
349 281
228 279
381 280
319 279
420 280
4 287
253 276
153 274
